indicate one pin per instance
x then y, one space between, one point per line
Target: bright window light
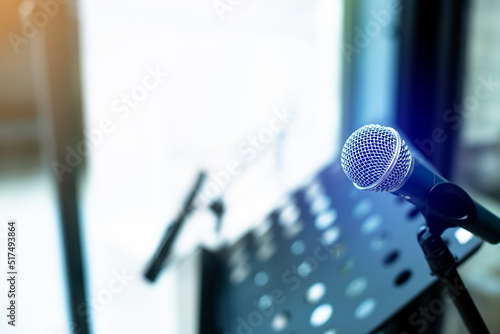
250 93
463 236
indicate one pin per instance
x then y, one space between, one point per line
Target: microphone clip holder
447 205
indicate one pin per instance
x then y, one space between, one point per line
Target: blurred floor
26 195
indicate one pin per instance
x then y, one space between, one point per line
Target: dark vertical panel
430 78
59 100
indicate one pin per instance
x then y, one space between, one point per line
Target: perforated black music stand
331 260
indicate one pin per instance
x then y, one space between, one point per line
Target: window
246 90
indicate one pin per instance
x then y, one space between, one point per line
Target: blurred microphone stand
164 249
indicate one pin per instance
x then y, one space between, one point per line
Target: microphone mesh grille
367 156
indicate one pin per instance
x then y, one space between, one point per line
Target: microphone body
417 184
375 158
447 203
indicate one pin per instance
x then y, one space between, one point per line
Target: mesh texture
367 156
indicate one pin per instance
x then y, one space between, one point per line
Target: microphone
376 158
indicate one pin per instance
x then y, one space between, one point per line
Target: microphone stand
165 247
443 265
440 211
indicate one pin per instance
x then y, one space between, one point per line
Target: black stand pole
163 251
443 265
